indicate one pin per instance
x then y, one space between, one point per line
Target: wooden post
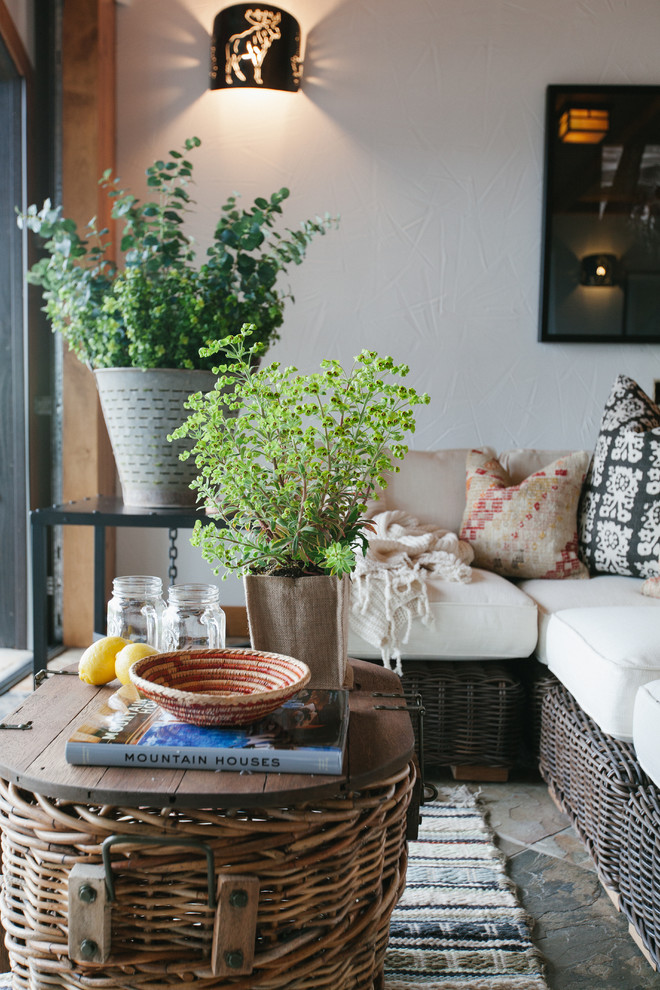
88 140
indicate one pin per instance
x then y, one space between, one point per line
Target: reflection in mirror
601 251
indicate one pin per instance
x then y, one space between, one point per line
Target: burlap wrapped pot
303 617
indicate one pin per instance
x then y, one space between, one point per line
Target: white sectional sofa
600 636
592 643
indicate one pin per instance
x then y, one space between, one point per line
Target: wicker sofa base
591 776
640 869
473 712
615 809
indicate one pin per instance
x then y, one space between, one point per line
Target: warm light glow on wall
581 125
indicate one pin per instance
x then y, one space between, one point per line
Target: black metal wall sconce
255 47
598 269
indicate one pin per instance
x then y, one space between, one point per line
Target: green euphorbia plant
287 461
158 308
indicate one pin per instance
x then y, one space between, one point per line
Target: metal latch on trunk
234 898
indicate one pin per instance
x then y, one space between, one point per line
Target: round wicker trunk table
142 878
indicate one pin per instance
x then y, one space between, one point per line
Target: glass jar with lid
135 611
193 618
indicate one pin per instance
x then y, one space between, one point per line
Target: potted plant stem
289 478
139 325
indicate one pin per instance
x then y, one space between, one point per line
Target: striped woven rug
459 925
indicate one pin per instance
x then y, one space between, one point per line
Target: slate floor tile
582 937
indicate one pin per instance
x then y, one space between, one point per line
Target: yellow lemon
97 664
127 657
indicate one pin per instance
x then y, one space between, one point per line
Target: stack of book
305 735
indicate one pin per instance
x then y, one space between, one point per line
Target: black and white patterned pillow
619 517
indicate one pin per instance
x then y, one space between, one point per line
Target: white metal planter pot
140 408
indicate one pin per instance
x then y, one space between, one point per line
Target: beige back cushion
430 486
522 462
431 483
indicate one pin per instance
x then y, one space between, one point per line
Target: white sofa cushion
646 729
602 655
489 618
604 590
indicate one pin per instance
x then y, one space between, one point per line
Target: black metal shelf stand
101 512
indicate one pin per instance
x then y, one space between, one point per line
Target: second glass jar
193 618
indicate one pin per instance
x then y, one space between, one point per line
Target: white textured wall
421 124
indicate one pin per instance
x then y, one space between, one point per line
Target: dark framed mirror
600 279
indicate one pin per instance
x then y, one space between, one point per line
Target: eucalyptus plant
158 308
286 462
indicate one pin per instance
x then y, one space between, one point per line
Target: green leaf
160 306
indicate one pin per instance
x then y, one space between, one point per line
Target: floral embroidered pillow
527 530
619 518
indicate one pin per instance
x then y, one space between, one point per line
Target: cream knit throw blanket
388 587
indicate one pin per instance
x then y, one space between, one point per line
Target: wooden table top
380 743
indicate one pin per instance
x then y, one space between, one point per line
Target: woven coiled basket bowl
219 686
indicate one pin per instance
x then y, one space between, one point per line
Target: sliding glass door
13 365
28 372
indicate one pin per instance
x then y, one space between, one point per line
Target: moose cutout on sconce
255 47
252 44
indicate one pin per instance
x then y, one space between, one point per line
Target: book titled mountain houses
305 735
